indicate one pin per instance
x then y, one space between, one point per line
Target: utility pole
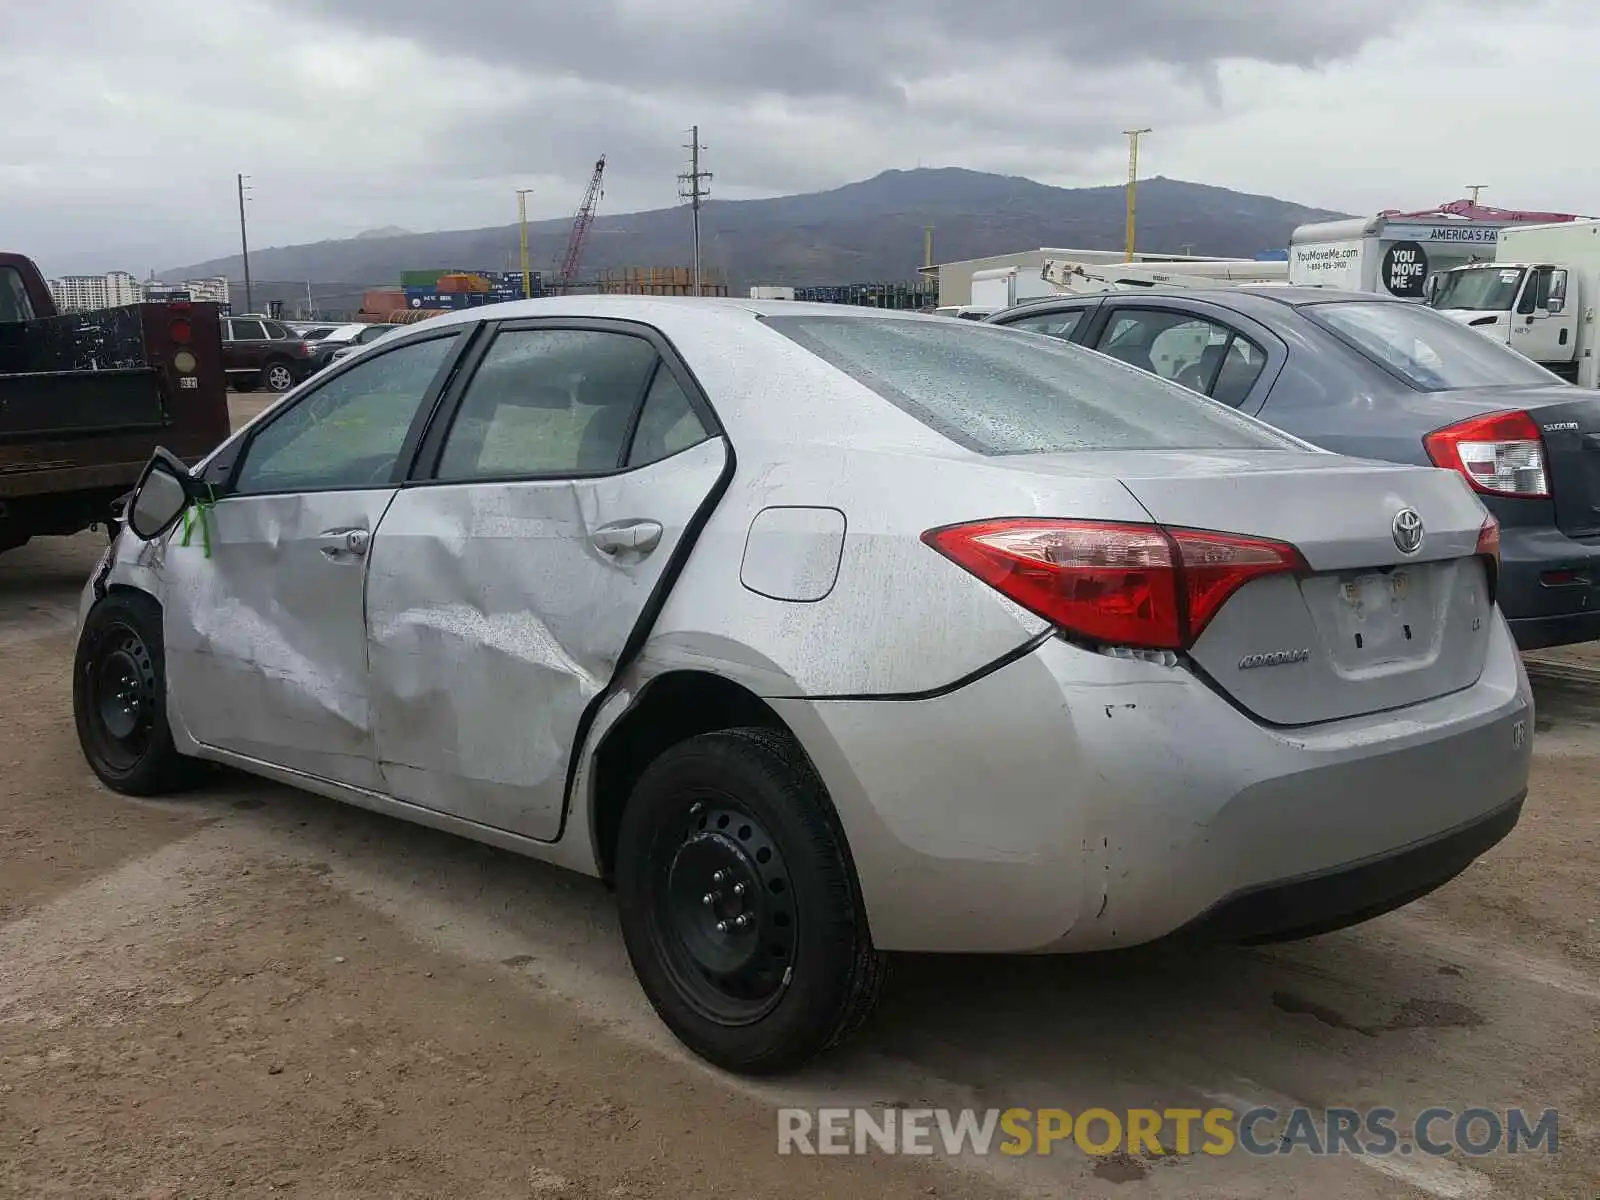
244 247
1475 188
696 193
927 245
522 223
1133 181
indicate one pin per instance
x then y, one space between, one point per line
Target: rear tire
119 699
739 905
277 376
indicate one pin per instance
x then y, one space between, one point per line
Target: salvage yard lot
254 992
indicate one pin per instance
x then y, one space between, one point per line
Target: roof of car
1286 294
652 308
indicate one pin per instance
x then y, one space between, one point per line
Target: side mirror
1554 305
163 492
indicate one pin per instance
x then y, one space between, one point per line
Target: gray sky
127 122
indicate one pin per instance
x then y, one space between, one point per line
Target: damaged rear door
265 598
508 578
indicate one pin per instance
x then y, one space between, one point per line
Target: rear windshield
1430 350
999 391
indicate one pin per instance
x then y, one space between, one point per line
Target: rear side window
14 302
1056 324
996 391
548 402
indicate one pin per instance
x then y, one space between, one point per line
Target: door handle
345 543
639 536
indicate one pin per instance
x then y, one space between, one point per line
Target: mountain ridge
865 231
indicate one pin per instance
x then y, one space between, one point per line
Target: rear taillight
1489 551
1143 586
181 331
1501 454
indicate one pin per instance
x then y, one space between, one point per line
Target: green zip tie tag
199 514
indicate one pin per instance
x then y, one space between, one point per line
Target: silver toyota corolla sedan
824 632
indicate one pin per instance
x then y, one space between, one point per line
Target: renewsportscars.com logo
1260 1131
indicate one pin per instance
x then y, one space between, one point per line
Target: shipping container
872 295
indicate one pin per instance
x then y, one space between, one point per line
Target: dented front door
266 636
266 606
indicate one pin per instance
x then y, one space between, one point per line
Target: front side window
996 391
1431 351
347 433
548 402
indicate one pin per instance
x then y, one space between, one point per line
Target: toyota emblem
1408 530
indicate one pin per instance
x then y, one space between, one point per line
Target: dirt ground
254 992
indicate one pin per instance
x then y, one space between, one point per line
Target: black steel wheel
119 698
723 909
739 903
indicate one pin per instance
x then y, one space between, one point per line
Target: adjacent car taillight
1501 454
1489 551
1144 586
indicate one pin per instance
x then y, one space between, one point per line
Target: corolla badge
1407 530
1274 658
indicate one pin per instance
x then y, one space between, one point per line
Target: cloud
351 114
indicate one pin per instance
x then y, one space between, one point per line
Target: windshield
1431 351
1489 289
1002 391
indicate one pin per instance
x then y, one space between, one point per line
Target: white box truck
1390 255
1538 296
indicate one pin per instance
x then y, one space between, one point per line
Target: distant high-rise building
82 293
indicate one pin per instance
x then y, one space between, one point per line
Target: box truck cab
1538 296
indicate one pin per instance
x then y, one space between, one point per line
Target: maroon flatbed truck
86 397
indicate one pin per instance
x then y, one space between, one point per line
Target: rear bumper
1073 801
1541 612
1356 892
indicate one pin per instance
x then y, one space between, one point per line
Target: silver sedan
820 633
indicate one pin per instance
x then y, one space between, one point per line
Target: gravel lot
255 992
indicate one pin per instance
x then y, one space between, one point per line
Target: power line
695 180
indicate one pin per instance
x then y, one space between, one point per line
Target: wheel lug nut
722 927
741 920
738 889
719 877
709 899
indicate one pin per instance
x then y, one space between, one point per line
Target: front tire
739 904
119 699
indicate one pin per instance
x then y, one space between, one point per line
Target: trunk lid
1370 627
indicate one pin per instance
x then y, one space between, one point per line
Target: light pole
1133 181
522 222
244 247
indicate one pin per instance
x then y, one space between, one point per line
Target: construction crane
567 272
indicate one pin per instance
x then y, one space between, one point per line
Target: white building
213 290
82 293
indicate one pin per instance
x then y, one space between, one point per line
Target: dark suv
259 352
